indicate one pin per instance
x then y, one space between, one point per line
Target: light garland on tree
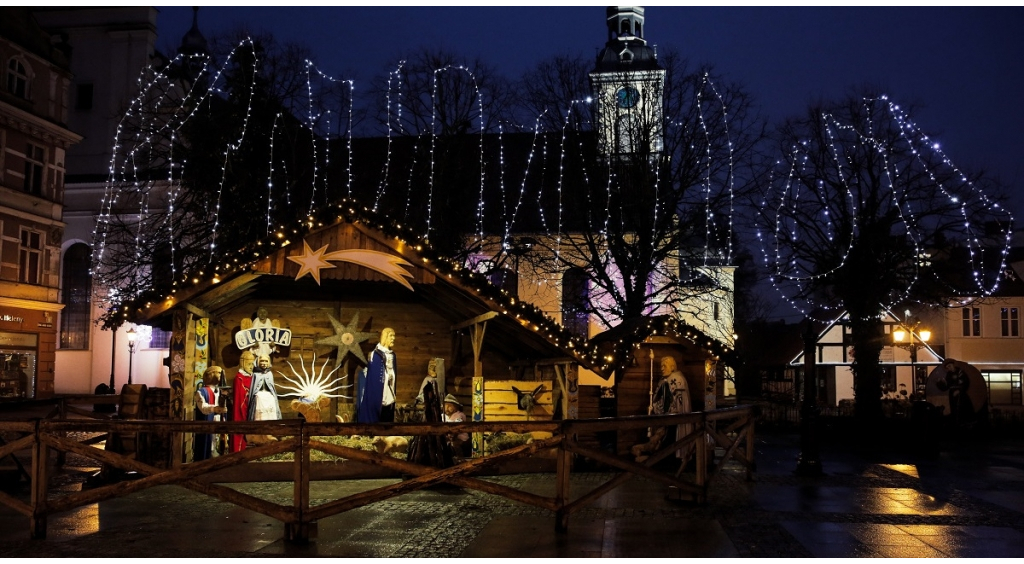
792 274
537 167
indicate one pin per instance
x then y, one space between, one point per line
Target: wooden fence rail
730 431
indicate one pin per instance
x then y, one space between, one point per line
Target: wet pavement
966 502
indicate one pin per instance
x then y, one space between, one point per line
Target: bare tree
865 212
436 110
209 156
642 202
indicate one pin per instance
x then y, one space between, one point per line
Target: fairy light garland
542 162
794 198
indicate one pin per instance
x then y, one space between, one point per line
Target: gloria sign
247 338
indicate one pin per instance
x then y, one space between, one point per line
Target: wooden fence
728 432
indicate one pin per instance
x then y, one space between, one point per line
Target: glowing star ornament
346 339
311 262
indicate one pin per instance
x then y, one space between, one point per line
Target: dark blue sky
965 66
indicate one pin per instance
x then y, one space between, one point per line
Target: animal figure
311 411
526 401
385 445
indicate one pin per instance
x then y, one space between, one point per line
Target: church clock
627 97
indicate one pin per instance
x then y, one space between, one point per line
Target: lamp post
131 352
912 338
809 462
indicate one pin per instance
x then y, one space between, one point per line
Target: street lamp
904 337
131 352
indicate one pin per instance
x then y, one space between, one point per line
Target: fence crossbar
300 438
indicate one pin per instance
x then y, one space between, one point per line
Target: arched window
17 78
507 280
624 28
76 294
639 30
575 301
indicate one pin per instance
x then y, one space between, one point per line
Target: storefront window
17 374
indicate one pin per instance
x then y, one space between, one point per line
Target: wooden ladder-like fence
729 431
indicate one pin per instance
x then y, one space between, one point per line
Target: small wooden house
328 288
640 346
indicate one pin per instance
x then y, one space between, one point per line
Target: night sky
963 66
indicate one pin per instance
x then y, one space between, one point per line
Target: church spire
628 86
193 42
626 47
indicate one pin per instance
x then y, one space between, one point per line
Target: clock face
627 97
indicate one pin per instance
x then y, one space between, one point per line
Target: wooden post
176 380
477 414
562 471
478 344
572 392
37 526
750 448
300 531
702 459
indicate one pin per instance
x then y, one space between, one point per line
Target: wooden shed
640 346
334 287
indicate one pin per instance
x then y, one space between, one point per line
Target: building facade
34 141
110 48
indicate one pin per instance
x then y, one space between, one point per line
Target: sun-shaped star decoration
346 339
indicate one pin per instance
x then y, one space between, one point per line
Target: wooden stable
635 381
436 313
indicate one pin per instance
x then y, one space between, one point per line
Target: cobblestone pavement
969 501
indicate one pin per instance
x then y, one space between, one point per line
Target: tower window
34 158
1010 321
83 97
575 299
30 256
971 321
77 291
17 78
624 28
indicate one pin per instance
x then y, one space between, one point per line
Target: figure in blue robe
377 396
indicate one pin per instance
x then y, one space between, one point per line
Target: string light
543 162
827 213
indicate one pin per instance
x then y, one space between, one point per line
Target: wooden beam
474 320
202 313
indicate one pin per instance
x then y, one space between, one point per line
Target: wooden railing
731 430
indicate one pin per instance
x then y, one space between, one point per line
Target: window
888 379
30 257
17 78
74 319
1003 387
1009 319
971 321
575 299
716 313
83 97
34 159
506 279
159 339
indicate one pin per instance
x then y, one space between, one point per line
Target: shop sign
18 339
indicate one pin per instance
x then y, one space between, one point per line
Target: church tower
628 85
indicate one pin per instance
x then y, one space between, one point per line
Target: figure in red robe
240 395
